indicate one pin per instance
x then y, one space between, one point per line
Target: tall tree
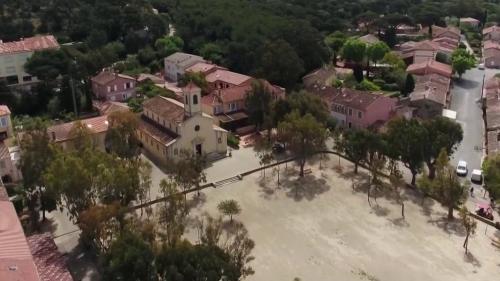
130 258
188 170
375 52
442 133
280 64
120 137
355 144
469 224
446 186
259 105
304 136
354 51
461 61
405 142
334 42
491 168
173 213
37 153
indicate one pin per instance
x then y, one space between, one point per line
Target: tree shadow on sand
307 187
452 227
470 258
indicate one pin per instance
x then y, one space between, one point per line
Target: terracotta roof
16 262
184 60
488 44
438 31
108 107
4 110
51 264
429 67
155 79
238 93
105 76
469 20
490 29
432 87
31 44
62 131
168 109
156 131
360 100
227 77
492 95
203 67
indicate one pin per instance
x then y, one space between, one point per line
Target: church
168 126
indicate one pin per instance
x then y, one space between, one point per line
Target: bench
307 172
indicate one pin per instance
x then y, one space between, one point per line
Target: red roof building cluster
30 44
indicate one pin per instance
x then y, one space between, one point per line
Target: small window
115 88
4 122
219 140
360 114
197 128
350 112
195 99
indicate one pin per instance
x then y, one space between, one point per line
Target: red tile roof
227 77
16 262
30 44
360 100
488 44
431 87
168 109
203 67
106 76
4 110
96 125
51 264
429 67
490 29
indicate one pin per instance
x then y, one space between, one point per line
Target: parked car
462 168
481 66
278 148
476 176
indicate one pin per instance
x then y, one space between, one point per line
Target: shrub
367 85
233 141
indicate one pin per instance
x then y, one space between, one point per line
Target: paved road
466 95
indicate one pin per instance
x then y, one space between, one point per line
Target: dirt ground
322 228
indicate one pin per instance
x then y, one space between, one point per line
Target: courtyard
322 228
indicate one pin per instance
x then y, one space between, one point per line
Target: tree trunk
278 175
413 177
368 193
466 242
302 164
403 210
450 213
355 167
432 171
231 218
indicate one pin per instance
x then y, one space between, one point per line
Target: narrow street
466 96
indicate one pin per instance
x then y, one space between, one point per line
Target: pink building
108 85
359 109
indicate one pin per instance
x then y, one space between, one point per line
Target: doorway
198 149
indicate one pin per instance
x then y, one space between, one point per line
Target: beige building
98 126
168 126
13 56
